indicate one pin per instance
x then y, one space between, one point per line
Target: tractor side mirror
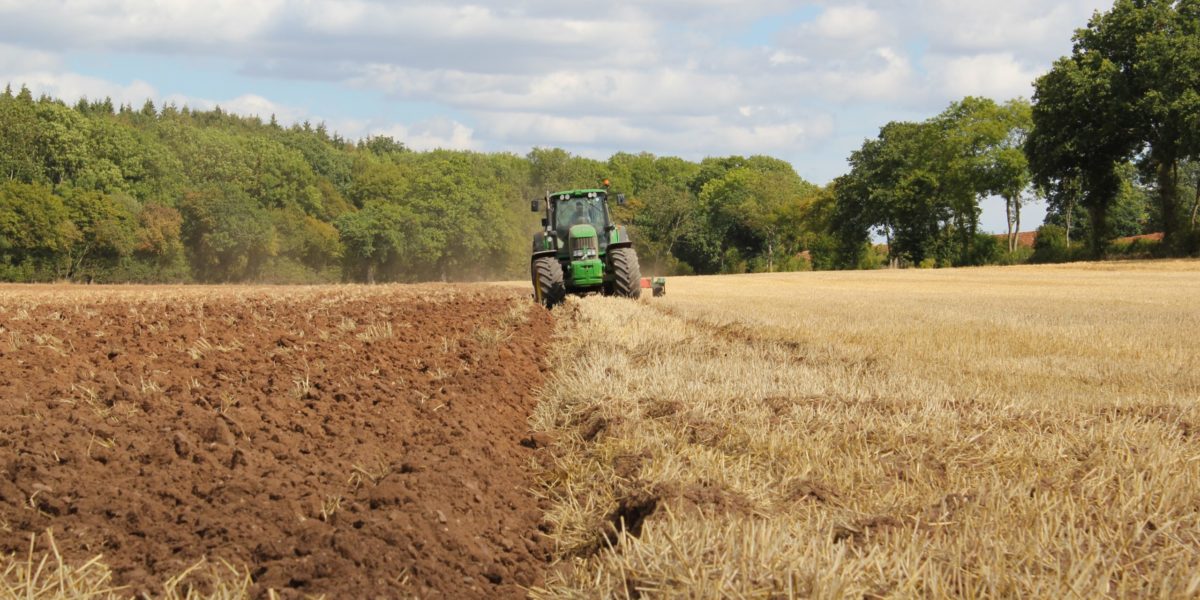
620 199
534 205
545 221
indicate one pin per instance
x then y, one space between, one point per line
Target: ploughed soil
355 442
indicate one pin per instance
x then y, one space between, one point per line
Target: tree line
1111 141
97 192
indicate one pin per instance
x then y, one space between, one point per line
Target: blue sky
803 81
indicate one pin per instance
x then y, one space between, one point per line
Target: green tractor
580 250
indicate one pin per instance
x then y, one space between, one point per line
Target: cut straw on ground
1020 432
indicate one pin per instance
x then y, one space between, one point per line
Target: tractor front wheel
627 274
548 288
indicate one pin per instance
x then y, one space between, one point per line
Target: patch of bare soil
348 441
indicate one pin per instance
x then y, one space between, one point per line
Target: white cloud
690 137
111 24
585 131
436 133
1031 28
428 134
783 57
427 34
253 104
850 23
686 77
589 92
70 87
890 79
16 58
998 76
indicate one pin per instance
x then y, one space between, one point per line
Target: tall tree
107 230
384 242
61 143
36 232
159 238
228 235
906 185
1081 134
984 149
554 169
1156 47
19 128
1129 89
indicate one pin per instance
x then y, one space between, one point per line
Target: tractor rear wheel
548 288
627 274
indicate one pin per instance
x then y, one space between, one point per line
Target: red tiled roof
1025 239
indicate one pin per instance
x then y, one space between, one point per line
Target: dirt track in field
348 441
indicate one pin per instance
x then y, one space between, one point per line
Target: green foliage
36 232
95 193
385 242
554 169
1138 248
229 237
61 143
159 247
873 257
106 231
1019 256
466 217
918 185
306 241
1051 245
815 235
986 250
18 138
1127 91
749 214
1132 211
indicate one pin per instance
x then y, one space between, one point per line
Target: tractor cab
578 215
581 222
590 209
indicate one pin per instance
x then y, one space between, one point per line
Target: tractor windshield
580 211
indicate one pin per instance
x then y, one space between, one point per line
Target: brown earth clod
808 489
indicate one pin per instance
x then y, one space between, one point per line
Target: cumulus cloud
16 58
423 34
430 134
689 137
135 24
850 23
590 92
73 86
688 77
1031 29
890 77
997 75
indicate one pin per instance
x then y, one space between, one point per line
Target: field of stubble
997 432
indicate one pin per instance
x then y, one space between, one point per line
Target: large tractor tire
627 274
548 288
